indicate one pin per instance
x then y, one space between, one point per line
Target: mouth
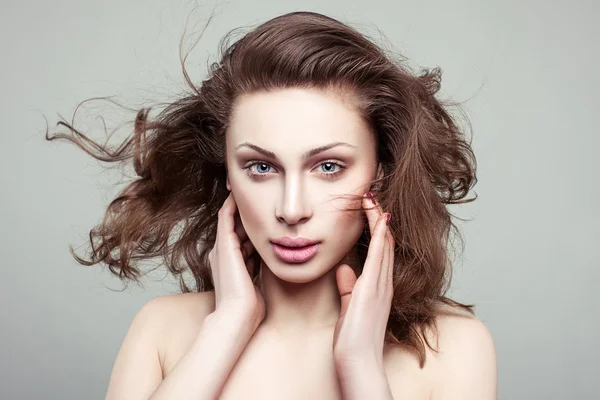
295 255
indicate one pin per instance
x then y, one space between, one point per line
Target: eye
329 169
261 170
329 166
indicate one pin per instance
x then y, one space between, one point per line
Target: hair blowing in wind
179 160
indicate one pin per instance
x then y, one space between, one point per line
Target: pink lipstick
295 254
295 250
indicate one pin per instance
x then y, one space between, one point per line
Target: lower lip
295 254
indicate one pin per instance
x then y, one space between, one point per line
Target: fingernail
387 219
371 196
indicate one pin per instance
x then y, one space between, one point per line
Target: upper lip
294 242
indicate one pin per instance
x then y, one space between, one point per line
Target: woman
308 178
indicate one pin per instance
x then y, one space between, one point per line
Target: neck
301 308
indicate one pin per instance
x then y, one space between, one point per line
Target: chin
305 272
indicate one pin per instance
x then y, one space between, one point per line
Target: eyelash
262 176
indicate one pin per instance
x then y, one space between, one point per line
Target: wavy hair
179 159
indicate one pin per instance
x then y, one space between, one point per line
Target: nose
293 207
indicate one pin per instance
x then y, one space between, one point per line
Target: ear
227 184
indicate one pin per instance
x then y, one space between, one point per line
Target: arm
366 380
201 372
466 368
137 369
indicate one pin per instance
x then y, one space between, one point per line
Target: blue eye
262 169
331 165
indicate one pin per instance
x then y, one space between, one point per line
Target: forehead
296 118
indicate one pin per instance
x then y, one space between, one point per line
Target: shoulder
459 334
138 368
169 315
463 367
168 309
465 364
177 305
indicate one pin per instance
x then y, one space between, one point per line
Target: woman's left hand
365 302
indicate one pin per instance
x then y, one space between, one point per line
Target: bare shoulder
466 366
139 366
458 332
195 305
461 365
177 317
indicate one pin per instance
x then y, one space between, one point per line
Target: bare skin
275 341
273 366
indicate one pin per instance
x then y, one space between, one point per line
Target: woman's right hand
232 261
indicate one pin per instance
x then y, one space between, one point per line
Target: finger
391 260
346 279
376 213
372 211
392 252
388 252
385 261
225 224
372 265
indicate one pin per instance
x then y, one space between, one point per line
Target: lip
295 255
294 242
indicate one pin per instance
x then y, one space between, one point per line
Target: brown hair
179 158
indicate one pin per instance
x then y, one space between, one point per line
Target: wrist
222 316
228 332
229 319
351 367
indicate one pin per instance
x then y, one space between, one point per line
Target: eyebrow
305 156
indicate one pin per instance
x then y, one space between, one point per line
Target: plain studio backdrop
527 70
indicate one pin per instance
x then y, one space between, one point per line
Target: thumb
346 279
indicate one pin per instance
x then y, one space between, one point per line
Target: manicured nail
371 196
387 219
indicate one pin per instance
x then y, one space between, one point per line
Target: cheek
252 210
348 225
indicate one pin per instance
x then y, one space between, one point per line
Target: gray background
531 258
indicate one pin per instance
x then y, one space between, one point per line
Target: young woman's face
292 192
